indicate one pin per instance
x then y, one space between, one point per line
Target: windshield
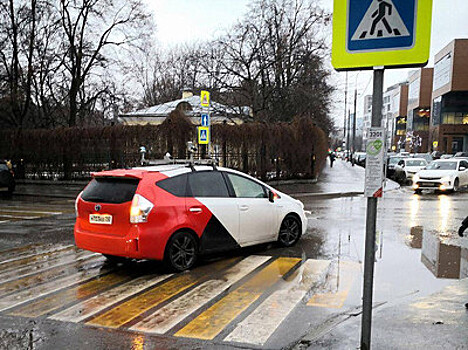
394 160
417 162
442 166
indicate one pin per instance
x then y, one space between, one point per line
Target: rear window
174 185
110 190
3 167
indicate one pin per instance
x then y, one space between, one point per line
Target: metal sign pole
371 219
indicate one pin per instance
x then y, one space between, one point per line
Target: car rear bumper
136 244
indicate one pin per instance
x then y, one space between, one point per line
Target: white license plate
100 219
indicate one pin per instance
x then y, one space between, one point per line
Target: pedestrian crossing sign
381 33
205 98
203 135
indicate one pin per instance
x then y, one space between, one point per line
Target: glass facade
453 109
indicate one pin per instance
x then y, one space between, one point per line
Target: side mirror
462 168
271 196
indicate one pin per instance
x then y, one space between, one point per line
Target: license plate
100 219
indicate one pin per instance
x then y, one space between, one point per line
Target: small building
190 105
449 118
419 107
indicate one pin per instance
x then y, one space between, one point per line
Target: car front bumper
437 185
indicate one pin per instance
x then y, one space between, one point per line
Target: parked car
360 158
7 179
442 175
407 168
427 156
391 163
461 155
446 156
174 213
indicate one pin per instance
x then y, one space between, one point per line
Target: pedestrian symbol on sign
381 21
203 135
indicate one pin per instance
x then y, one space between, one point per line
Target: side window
464 164
176 185
207 184
246 188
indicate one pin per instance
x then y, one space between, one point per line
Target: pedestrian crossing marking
212 321
129 310
90 307
381 21
258 327
82 291
244 300
24 261
169 316
347 272
44 289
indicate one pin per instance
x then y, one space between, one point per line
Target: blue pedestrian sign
205 120
378 25
203 135
381 33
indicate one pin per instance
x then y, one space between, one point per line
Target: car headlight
446 179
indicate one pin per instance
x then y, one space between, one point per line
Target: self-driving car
175 213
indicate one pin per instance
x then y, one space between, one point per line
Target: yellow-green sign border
416 56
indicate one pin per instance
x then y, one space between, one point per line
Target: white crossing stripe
170 315
30 211
20 217
29 294
90 307
267 317
49 249
29 270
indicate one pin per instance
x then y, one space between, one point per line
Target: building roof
191 107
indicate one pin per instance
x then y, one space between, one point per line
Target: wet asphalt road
52 296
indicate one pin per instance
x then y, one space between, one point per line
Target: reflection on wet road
234 300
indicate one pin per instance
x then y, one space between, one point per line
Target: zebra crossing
238 299
13 213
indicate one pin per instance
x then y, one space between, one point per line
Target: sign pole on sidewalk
371 220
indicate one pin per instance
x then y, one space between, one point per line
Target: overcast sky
180 21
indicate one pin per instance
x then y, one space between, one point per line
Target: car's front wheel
456 185
290 231
181 252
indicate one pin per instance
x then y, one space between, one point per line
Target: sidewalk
438 321
343 180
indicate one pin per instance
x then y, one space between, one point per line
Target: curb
51 182
327 194
61 196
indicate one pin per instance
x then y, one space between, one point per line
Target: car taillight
76 203
140 209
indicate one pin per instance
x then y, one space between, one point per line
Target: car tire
456 185
181 252
113 259
290 231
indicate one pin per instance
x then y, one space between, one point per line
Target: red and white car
176 212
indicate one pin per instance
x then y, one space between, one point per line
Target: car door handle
244 207
195 210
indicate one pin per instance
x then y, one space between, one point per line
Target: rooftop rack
189 163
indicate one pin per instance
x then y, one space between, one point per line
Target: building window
455 118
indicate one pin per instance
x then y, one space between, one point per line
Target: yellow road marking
20 283
129 310
9 264
335 300
82 291
213 320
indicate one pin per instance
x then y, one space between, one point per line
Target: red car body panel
144 240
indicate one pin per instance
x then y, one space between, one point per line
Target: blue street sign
380 25
205 120
203 135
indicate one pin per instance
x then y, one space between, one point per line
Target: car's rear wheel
181 252
290 231
113 259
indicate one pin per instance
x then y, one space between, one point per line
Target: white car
442 175
408 167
